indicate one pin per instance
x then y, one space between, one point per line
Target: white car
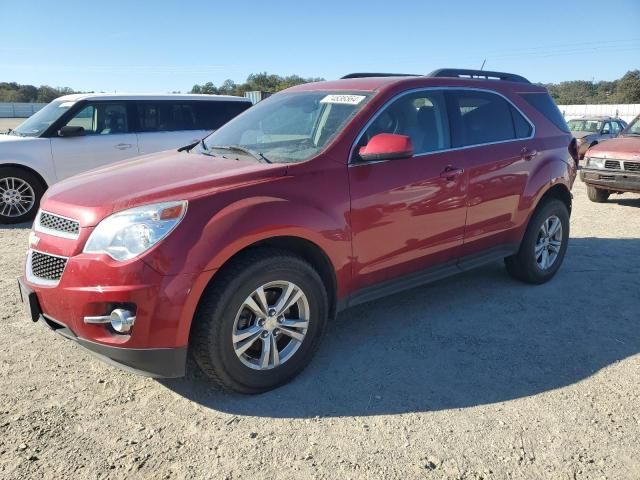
79 132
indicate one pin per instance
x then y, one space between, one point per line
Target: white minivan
79 132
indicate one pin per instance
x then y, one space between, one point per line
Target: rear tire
226 321
597 195
20 194
541 254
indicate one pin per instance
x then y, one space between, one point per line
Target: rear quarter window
547 107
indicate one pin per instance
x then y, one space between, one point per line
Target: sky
162 46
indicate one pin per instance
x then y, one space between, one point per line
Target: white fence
626 112
19 110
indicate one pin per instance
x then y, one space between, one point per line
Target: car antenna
483 62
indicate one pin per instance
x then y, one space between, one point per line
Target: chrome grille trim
45 268
632 166
57 225
612 164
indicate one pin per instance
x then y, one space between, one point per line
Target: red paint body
374 222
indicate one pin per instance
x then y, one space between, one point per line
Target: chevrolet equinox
239 248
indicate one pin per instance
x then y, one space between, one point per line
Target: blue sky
168 45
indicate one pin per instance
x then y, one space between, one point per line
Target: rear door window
212 115
169 116
483 117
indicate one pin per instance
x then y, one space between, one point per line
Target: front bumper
151 362
617 181
93 285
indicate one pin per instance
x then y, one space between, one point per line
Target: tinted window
163 116
422 116
546 106
481 117
522 126
101 119
212 115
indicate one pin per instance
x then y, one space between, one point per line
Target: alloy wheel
17 197
271 325
549 242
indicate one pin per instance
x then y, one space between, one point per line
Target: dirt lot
475 377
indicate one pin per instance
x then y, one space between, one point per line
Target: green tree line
263 82
13 92
576 92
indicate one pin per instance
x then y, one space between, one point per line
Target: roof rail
365 75
484 74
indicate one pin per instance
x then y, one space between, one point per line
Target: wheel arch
305 248
34 172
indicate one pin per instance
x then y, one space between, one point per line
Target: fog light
122 320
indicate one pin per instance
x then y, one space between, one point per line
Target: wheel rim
16 197
549 242
271 325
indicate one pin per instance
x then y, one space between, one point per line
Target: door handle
527 154
123 146
450 173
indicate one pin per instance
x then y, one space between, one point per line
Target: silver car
589 131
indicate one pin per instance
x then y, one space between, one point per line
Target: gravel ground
475 377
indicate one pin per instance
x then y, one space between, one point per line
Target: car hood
164 176
622 148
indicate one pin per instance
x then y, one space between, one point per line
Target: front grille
632 166
47 267
612 164
59 224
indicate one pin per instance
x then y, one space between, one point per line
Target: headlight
593 162
127 234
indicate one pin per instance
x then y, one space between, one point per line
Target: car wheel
544 245
20 194
597 194
260 321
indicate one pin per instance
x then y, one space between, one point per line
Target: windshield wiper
236 148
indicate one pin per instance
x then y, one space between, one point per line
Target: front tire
260 321
544 245
20 194
597 195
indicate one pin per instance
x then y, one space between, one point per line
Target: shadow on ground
475 339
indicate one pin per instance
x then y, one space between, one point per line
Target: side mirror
386 146
70 131
606 131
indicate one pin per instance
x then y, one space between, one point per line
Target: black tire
523 265
8 214
211 332
597 195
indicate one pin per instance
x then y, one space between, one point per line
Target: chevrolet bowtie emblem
33 240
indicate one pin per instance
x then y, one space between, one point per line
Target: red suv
239 248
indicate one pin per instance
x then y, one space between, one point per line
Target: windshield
634 128
289 127
42 119
592 126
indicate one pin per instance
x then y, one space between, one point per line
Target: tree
629 87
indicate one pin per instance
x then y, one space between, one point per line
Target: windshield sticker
343 99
